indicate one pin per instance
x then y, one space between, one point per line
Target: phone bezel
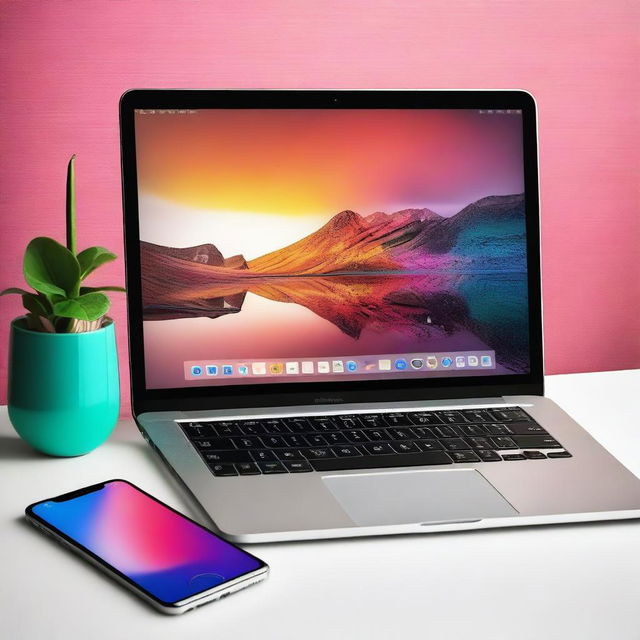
178 606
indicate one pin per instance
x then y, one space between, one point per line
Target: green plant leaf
90 259
37 304
17 290
84 290
71 206
51 268
90 306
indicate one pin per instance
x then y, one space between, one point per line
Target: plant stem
71 206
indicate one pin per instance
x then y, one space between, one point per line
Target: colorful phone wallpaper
275 234
170 557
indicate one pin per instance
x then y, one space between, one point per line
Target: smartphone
169 560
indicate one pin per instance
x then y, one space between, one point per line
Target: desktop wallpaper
290 234
169 556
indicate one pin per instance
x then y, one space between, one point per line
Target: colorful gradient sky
320 162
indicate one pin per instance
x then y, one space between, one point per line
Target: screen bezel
29 512
334 392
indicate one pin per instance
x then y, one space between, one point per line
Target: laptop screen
313 245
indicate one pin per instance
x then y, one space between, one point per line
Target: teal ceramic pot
64 392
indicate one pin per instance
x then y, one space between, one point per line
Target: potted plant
64 394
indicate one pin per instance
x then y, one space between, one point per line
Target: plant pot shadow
14 448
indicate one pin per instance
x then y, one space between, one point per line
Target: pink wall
63 66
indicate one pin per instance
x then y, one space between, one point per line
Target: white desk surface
571 581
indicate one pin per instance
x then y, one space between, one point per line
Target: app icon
384 365
227 370
446 361
307 367
485 361
472 360
211 369
400 364
292 368
432 362
417 363
196 370
276 368
259 368
461 362
243 370
338 366
323 367
352 365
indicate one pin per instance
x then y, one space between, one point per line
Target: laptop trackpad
404 497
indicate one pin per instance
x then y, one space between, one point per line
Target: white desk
572 581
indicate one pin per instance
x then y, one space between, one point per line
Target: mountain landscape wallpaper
318 233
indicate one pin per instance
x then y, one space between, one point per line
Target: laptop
335 316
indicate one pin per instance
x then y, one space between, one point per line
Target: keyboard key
247 469
495 429
455 444
264 455
526 428
273 442
502 442
323 425
317 453
198 430
425 458
246 443
376 434
488 456
355 435
296 440
346 451
473 430
235 455
214 444
316 440
534 455
513 456
401 434
379 448
272 467
452 417
288 454
429 445
445 432
297 466
373 421
510 413
464 456
252 428
223 470
558 454
536 442
477 415
276 426
397 420
227 428
480 443
347 422
405 447
422 432
335 438
425 418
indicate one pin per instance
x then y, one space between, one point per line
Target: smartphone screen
164 553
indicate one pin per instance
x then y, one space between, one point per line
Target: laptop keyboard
370 441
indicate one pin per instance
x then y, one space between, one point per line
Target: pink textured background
63 66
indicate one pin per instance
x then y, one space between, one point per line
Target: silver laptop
335 318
